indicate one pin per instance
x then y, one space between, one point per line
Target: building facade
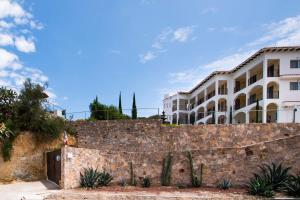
265 88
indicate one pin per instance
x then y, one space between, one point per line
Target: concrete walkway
27 190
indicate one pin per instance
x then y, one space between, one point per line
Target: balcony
210 95
200 101
273 95
200 116
222 91
252 100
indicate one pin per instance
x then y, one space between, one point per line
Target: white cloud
147 57
229 28
166 36
284 32
11 9
6 39
9 60
24 45
209 10
13 21
182 34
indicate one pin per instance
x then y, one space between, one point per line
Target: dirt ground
152 193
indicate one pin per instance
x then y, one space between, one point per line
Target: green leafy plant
292 186
6 137
104 178
275 175
225 184
196 180
89 178
166 170
259 186
146 182
132 175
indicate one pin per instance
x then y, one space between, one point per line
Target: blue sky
150 47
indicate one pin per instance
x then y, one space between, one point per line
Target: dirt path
27 190
148 195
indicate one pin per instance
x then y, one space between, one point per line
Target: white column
177 112
264 106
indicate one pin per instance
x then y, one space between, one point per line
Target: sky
84 48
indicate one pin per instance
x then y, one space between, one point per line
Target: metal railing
142 113
288 115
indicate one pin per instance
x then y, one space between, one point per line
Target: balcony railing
238 88
273 73
222 108
200 116
210 95
200 101
273 95
252 100
222 91
239 106
210 111
174 108
252 80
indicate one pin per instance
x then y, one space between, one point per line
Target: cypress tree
134 111
120 104
256 111
230 115
213 118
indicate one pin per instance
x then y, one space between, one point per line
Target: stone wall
28 158
231 151
237 164
150 135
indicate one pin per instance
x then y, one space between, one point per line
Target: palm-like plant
292 186
258 186
275 175
89 178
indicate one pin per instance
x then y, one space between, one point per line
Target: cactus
196 181
166 170
132 175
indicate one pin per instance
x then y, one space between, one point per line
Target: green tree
29 108
120 104
8 99
134 110
104 112
97 110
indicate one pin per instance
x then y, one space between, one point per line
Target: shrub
89 178
6 149
292 186
166 170
181 185
224 184
258 186
146 182
122 182
275 175
104 179
132 175
196 181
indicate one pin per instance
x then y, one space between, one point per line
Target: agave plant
275 175
224 184
104 178
258 186
292 186
146 182
89 178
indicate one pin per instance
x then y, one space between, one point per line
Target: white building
270 77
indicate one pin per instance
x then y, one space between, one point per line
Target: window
295 64
294 85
